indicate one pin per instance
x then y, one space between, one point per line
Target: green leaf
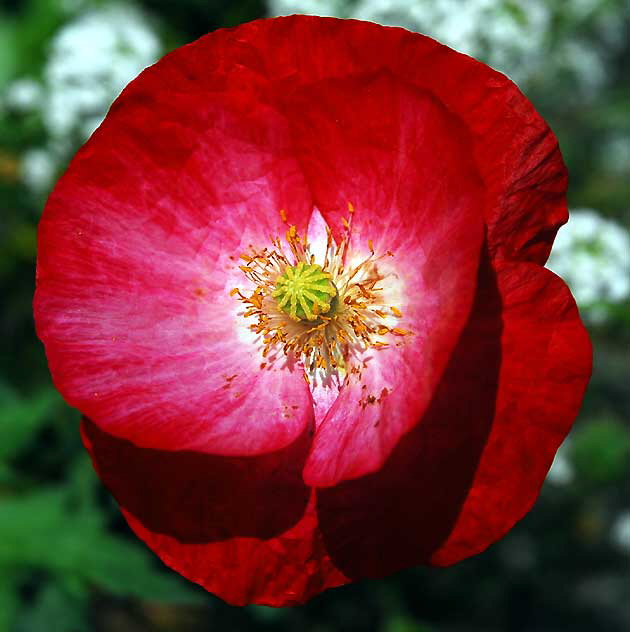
400 623
9 601
266 614
28 525
8 51
41 531
515 11
7 476
124 568
20 418
55 606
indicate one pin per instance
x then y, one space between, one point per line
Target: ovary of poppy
294 283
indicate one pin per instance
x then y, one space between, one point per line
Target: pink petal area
404 163
474 465
245 528
138 250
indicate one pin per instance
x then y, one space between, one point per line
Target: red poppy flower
294 282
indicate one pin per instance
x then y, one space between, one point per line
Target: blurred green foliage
67 560
55 538
601 452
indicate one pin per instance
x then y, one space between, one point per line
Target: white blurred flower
583 8
592 254
482 28
37 169
620 532
308 7
92 59
23 95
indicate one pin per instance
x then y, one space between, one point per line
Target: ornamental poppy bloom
295 284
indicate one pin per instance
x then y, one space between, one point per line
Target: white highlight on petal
317 236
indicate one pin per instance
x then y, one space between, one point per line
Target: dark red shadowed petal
546 364
404 164
475 463
138 250
244 528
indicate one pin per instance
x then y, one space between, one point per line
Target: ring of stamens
320 313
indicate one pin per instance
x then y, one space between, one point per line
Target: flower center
304 291
324 314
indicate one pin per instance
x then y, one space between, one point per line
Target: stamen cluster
331 329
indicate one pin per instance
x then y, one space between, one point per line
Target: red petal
516 152
545 367
244 528
474 465
404 163
134 270
138 250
